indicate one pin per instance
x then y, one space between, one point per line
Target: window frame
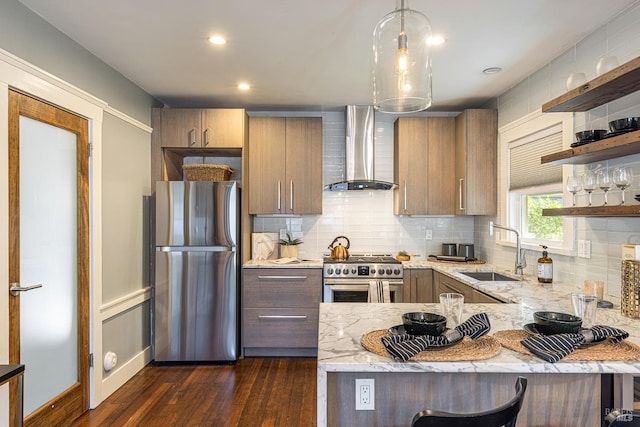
508 202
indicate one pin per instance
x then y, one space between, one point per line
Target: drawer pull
282 277
292 317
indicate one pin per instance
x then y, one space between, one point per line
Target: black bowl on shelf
551 322
422 323
590 135
626 124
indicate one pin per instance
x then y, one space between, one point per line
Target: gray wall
622 36
125 166
27 36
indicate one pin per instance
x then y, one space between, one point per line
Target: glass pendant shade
402 61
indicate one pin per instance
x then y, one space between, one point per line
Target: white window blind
525 169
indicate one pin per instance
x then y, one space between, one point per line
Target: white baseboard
124 373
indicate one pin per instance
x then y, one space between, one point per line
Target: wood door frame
23 105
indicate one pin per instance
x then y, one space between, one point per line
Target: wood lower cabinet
280 311
445 284
285 165
476 162
419 284
424 163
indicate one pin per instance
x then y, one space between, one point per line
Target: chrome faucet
521 261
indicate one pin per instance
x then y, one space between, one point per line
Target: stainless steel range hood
359 152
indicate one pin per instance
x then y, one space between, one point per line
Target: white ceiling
314 54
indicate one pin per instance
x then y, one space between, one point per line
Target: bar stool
505 415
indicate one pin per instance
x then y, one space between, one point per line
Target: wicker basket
203 172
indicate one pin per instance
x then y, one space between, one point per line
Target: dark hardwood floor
253 392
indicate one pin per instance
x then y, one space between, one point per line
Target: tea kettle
339 252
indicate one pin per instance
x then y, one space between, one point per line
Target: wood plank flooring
267 392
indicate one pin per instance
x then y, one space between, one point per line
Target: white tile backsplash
366 217
622 38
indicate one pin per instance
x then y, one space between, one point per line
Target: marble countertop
342 325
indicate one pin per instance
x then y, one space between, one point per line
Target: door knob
15 288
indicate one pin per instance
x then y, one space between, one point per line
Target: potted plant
289 247
403 256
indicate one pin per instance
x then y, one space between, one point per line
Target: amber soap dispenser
545 267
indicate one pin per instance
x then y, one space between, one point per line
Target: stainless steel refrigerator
196 271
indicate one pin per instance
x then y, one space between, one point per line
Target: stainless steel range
348 281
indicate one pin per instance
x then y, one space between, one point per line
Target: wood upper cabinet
476 162
424 156
285 165
204 128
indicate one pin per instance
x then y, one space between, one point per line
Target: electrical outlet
428 235
365 394
283 233
584 248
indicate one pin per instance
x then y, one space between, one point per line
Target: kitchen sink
488 276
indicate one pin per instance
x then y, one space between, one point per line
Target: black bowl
628 123
550 323
591 135
421 323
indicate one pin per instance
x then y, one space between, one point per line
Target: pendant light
402 61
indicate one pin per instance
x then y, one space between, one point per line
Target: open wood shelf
174 158
615 84
625 210
608 148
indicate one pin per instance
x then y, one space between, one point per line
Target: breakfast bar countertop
342 326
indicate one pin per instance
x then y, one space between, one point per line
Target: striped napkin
404 347
379 291
552 348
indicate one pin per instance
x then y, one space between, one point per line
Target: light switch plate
584 248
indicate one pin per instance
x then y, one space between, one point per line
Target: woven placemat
604 350
482 348
455 262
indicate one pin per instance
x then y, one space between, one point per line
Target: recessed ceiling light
492 70
435 40
217 40
244 86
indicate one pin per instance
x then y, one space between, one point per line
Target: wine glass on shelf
622 177
574 185
589 183
603 177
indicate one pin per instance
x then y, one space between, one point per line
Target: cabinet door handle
405 196
282 277
291 195
206 137
279 195
285 317
192 137
448 286
460 193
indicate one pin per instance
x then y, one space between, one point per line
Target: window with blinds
525 169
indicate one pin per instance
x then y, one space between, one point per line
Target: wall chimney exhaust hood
359 152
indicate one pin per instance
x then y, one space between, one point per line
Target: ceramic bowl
421 323
591 135
628 123
551 322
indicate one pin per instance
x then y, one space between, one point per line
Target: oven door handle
355 286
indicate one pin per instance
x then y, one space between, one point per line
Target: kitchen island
567 393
